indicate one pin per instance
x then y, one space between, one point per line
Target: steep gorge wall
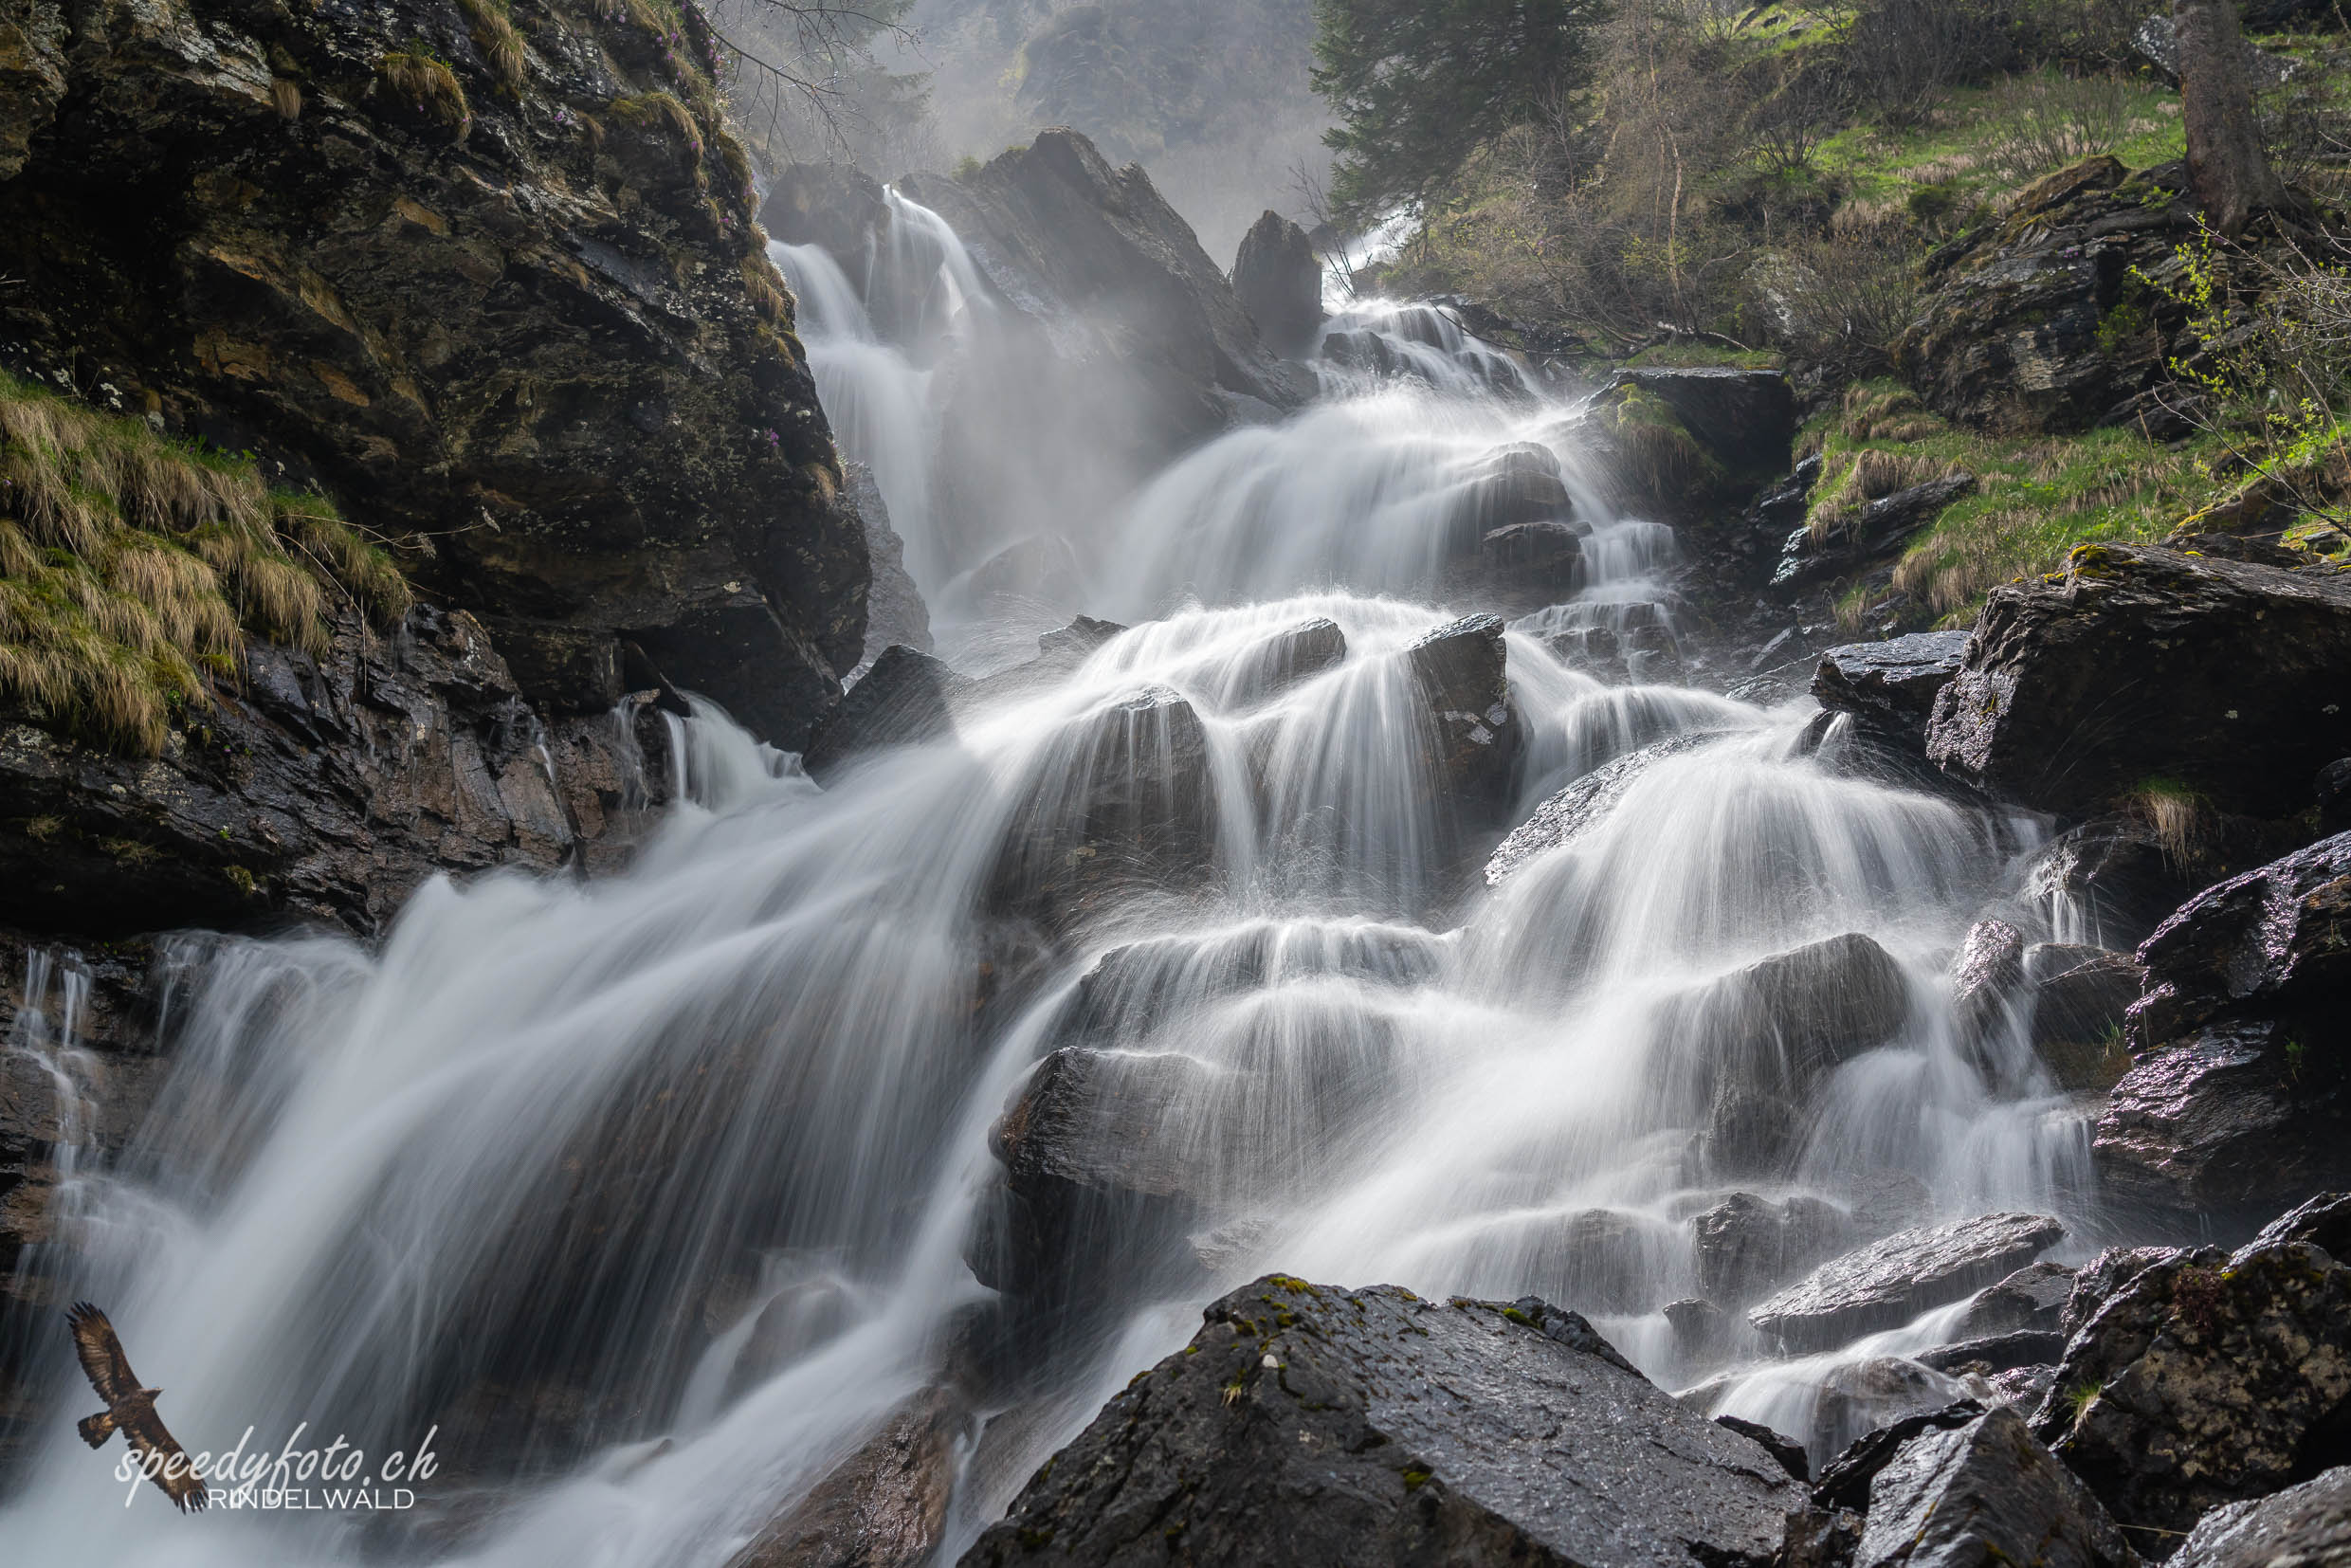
490 275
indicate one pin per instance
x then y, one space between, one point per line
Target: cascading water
662 1190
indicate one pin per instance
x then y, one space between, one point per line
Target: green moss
1416 1477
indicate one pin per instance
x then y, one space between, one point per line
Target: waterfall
662 1191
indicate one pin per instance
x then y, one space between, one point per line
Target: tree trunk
2227 167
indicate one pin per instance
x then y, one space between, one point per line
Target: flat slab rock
1891 1281
1316 1428
1892 683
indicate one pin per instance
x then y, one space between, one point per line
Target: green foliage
2268 341
1419 85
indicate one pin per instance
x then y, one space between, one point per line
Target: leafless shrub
2048 122
1839 302
1901 55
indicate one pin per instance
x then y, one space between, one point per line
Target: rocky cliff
489 274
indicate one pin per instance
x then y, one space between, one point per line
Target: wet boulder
2031 1300
1100 1168
1278 279
1894 1279
1986 1493
1890 686
1286 659
2220 677
1745 1244
2205 1381
1575 809
2080 995
906 699
1124 803
1987 977
1993 1353
1307 1427
1512 484
2308 1527
884 1507
2239 1098
1470 738
1765 1034
1538 555
1813 555
1743 419
1861 1396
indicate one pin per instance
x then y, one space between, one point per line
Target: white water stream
670 1178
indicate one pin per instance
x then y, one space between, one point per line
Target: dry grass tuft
427 85
493 34
129 566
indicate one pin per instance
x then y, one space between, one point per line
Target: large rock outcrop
1278 279
2239 1096
1316 1428
490 275
2143 667
1986 1493
1097 254
323 788
2036 322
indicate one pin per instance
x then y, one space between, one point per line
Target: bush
1838 303
2046 123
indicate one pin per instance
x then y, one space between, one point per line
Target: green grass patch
2037 498
132 567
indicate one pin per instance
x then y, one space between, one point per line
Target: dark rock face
2080 995
1278 279
1986 1493
884 1507
1892 1281
2238 1098
2114 875
1890 686
1471 745
2205 1381
1067 238
326 789
1746 1245
2305 1525
1565 816
533 338
1880 528
895 613
2023 1347
1315 1428
904 700
1772 515
2034 323
2130 668
1744 419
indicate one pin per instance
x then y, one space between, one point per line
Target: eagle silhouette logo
130 1408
